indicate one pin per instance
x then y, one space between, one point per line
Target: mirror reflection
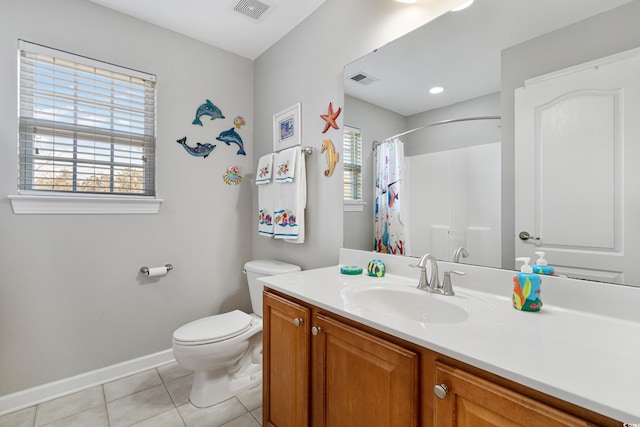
456 184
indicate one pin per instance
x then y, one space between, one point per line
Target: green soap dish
351 269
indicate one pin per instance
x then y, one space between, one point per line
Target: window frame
30 200
353 204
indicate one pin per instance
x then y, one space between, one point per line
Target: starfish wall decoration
330 118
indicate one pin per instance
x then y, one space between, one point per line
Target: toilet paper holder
145 269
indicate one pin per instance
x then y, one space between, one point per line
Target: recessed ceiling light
406 1
436 90
462 6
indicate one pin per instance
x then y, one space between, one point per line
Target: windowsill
353 206
83 205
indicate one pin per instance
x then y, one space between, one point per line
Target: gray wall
605 34
71 297
306 66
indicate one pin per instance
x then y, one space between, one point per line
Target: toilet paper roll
157 271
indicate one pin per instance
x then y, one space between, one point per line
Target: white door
577 162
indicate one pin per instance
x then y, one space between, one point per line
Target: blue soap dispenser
526 288
542 266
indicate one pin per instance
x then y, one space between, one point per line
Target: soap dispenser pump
526 288
542 266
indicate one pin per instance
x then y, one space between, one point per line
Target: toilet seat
219 327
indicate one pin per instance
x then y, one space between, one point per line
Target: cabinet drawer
471 401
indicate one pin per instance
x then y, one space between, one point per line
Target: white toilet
225 350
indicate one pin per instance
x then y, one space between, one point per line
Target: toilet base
217 385
210 388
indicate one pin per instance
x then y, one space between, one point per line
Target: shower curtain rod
443 122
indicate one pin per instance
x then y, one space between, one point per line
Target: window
85 127
352 164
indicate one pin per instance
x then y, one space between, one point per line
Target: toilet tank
260 268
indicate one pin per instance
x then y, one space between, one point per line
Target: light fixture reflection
462 6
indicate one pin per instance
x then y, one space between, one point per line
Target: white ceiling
216 23
460 51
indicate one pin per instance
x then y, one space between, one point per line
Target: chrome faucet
432 284
460 251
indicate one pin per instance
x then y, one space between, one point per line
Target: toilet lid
213 328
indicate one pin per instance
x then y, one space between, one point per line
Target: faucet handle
447 287
423 282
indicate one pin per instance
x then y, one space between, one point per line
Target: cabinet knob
316 330
297 322
441 391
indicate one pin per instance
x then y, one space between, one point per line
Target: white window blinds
352 164
85 126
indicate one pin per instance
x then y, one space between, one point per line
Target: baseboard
42 393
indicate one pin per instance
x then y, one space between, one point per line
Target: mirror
480 56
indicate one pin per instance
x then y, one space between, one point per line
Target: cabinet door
286 348
361 380
474 402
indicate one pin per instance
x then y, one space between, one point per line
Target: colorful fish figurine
229 136
200 150
207 109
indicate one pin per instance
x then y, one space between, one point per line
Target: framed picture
286 128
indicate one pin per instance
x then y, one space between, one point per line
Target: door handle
524 235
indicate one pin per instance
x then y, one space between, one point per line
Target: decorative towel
266 193
291 201
285 167
265 169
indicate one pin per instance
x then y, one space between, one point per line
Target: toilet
225 350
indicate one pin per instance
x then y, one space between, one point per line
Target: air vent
254 9
362 78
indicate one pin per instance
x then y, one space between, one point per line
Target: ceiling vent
362 78
255 9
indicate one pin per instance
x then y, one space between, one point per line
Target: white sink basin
404 301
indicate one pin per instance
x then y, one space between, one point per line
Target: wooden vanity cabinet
357 378
286 368
321 370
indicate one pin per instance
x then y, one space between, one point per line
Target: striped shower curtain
388 228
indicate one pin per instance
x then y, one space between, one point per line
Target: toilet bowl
225 350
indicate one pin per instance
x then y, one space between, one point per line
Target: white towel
266 202
265 169
291 201
285 166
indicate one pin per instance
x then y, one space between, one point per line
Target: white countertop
591 360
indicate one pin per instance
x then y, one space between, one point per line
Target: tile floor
155 398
